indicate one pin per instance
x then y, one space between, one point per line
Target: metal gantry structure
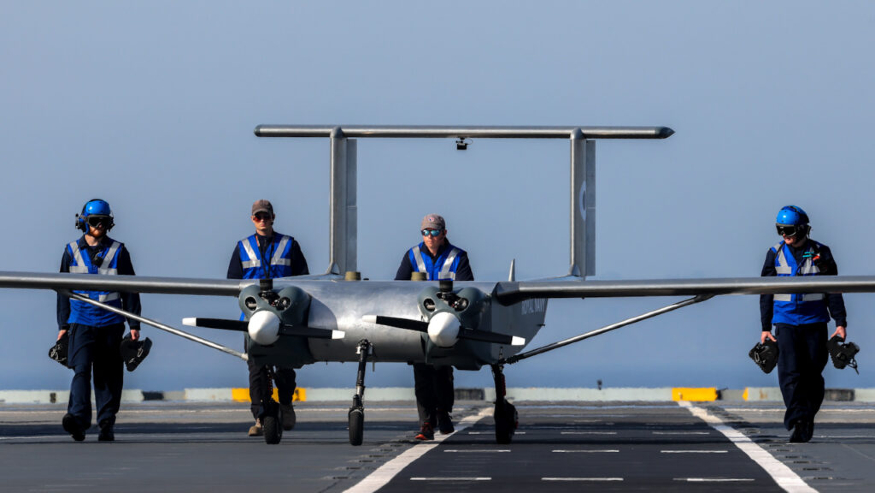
343 233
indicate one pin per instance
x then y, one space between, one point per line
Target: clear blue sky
151 106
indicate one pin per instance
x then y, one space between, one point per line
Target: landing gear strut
505 415
273 415
357 411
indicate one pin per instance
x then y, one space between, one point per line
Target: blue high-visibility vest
442 268
798 309
87 314
277 261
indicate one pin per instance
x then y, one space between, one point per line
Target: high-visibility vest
81 263
800 308
442 268
277 261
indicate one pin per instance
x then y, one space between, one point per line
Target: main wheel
356 426
506 421
273 431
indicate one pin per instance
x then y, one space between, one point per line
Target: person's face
431 241
794 237
97 226
263 222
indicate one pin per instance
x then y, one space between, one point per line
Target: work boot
257 429
72 426
289 418
426 432
445 422
803 431
106 431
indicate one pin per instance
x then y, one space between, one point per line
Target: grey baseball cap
433 221
262 206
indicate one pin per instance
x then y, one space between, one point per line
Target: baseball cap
433 221
262 206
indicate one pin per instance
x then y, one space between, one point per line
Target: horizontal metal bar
607 328
135 284
482 132
158 325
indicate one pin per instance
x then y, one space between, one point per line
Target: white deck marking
681 432
475 451
492 432
713 480
389 470
581 479
693 451
451 479
783 475
606 451
589 433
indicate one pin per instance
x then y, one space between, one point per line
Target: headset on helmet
790 217
94 207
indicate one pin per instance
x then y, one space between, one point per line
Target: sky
152 105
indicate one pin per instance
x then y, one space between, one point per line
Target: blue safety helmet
792 220
94 207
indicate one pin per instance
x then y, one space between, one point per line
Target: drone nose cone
264 327
443 329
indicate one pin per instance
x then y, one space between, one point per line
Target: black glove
765 355
842 355
58 352
134 352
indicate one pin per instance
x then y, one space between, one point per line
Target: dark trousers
802 356
97 349
261 390
434 391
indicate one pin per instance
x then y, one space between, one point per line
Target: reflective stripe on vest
420 263
253 258
448 263
278 258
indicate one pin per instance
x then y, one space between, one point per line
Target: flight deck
559 446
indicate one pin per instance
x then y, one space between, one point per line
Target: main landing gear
357 411
505 415
273 416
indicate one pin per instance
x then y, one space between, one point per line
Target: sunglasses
96 221
431 232
262 216
788 231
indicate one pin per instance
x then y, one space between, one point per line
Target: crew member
95 334
800 320
268 255
439 259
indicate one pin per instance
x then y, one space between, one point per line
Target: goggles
263 216
787 230
431 232
97 221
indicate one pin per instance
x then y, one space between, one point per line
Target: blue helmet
790 215
94 207
792 221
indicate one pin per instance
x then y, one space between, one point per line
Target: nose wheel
357 411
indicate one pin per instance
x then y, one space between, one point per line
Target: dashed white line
606 451
693 451
581 479
589 432
450 479
713 480
681 432
783 475
476 451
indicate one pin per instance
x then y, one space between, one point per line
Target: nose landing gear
357 411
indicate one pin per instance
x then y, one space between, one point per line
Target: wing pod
438 325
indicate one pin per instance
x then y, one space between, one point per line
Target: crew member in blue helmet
800 320
268 255
440 260
95 334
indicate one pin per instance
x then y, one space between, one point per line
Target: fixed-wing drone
335 316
